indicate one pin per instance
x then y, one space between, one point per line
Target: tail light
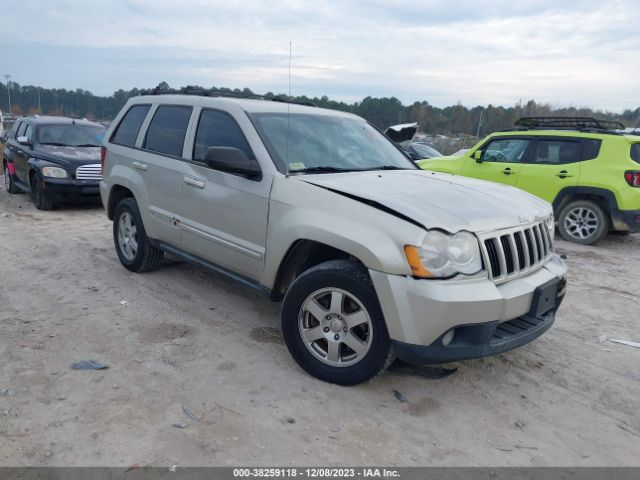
103 154
632 177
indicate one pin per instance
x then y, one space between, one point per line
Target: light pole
8 78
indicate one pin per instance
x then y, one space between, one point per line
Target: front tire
583 221
135 251
40 197
9 184
333 325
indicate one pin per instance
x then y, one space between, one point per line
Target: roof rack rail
203 92
577 123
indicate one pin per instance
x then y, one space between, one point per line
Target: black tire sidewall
11 187
603 222
38 195
374 361
130 205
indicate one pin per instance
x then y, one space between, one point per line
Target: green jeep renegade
585 167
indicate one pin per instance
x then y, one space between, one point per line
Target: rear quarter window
591 149
21 129
127 132
635 152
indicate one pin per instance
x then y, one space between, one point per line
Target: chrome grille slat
89 172
525 243
515 252
540 245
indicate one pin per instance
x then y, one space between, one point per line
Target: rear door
502 160
224 216
554 163
160 163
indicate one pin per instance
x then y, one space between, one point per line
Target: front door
224 216
501 161
22 153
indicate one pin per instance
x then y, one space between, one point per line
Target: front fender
302 211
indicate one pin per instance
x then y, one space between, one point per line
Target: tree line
382 112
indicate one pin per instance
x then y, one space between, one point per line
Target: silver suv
371 257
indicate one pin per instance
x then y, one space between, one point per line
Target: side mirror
24 141
232 160
477 155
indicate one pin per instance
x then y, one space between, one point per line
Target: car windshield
316 143
425 151
71 135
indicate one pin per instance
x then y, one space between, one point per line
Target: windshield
317 143
425 151
70 135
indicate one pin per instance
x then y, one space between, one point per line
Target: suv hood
69 155
403 132
437 200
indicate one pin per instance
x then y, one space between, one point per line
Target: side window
218 129
635 152
167 130
14 130
29 132
127 132
21 129
509 150
591 149
556 152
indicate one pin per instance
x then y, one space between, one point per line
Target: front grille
89 172
516 252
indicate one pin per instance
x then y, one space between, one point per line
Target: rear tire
583 221
9 184
135 251
41 198
333 325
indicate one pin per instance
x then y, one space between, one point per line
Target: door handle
563 174
139 166
507 171
194 182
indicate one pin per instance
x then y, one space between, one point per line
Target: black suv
53 158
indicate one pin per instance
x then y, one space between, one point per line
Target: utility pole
8 79
39 109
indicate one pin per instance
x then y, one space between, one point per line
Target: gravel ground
198 374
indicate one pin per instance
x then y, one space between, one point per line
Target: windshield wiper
382 167
322 169
390 167
55 144
87 145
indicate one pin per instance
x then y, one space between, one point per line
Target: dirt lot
181 343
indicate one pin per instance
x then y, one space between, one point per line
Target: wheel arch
603 197
302 255
116 194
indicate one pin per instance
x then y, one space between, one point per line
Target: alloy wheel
335 327
127 236
581 223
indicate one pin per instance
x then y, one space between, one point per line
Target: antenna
289 106
290 49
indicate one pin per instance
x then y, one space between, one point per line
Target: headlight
551 226
54 172
442 255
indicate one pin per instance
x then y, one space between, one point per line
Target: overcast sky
581 53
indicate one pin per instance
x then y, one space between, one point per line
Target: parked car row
371 257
